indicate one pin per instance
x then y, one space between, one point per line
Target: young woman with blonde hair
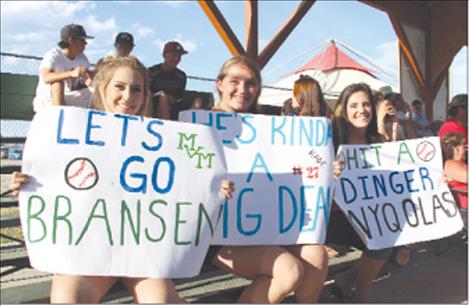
120 86
275 271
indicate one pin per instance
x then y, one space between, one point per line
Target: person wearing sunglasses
64 74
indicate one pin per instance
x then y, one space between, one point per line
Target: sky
32 28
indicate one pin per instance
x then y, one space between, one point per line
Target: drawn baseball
425 151
81 174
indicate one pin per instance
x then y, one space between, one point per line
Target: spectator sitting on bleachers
168 82
64 74
419 119
124 44
406 128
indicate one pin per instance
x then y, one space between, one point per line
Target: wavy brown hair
308 94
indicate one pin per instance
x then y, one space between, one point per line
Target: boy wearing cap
64 73
124 44
167 82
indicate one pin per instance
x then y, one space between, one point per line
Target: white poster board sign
119 195
394 194
282 170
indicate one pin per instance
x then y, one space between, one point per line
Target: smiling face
125 91
239 89
359 110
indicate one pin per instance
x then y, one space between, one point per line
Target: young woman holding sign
276 271
357 121
121 86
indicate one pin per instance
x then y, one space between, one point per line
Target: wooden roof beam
413 12
404 45
252 29
286 29
221 26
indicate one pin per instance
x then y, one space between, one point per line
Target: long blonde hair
106 70
252 66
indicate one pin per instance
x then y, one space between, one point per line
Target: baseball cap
73 31
458 100
174 46
124 38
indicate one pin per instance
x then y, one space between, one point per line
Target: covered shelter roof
441 27
332 68
333 59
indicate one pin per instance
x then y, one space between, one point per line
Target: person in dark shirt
167 82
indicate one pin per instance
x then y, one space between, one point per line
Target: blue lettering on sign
91 126
320 133
304 210
60 138
425 174
125 126
239 221
225 219
323 203
278 129
259 163
249 125
364 184
172 169
157 135
352 189
301 130
196 120
142 187
282 227
305 134
397 188
142 178
220 127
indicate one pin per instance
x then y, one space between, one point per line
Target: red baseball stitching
91 174
426 156
421 148
79 171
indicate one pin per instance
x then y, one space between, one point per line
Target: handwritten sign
394 194
121 195
282 168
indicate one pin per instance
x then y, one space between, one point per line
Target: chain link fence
22 65
29 65
19 64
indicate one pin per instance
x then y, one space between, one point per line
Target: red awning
333 59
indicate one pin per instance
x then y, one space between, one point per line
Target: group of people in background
121 84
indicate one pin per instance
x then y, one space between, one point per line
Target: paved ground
428 279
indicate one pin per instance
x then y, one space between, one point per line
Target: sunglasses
81 39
